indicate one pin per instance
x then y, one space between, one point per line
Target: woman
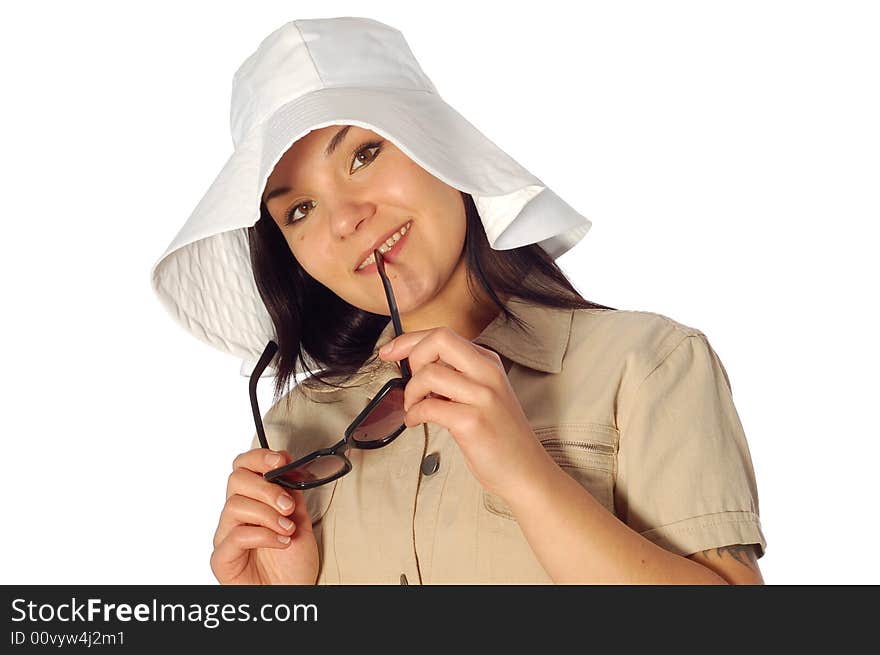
546 438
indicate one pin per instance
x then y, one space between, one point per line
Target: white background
727 154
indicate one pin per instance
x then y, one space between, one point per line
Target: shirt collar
542 351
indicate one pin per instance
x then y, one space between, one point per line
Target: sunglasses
380 422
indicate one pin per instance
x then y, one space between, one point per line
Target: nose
347 217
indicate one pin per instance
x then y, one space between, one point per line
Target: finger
241 539
403 343
490 354
241 510
458 418
447 346
443 381
261 460
253 485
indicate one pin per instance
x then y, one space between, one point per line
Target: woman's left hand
476 404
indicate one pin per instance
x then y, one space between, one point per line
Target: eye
289 216
366 147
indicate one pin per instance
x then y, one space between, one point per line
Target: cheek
299 246
406 184
296 245
312 256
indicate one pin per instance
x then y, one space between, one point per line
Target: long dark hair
312 322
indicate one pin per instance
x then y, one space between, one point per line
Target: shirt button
431 463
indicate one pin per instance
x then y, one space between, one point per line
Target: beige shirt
633 405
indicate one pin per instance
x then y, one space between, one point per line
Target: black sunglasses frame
341 447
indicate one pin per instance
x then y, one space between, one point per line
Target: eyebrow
335 142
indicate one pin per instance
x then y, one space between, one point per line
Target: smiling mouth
389 254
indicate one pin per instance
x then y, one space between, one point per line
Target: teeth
385 247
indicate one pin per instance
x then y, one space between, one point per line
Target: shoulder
624 349
611 352
636 339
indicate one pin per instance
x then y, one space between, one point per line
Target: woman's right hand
248 546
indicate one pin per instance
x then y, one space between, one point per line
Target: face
336 208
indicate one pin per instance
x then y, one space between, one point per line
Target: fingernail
285 522
283 539
272 459
387 348
285 502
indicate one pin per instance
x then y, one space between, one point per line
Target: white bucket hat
306 75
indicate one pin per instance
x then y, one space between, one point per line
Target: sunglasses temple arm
392 306
265 358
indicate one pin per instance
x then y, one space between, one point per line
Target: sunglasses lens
321 468
385 419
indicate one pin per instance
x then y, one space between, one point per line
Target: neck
455 307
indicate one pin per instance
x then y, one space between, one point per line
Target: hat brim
204 278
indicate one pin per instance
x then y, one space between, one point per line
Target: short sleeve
685 477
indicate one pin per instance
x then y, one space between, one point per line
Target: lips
378 244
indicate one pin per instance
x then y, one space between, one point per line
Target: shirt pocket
585 451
